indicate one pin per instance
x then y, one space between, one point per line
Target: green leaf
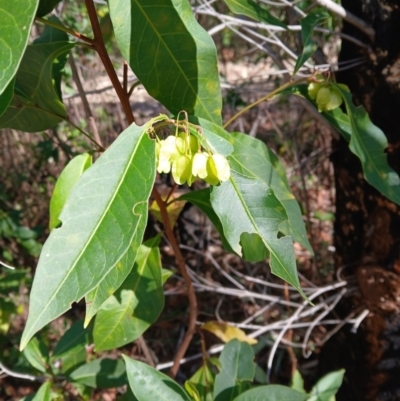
6 96
37 354
237 367
165 275
16 18
273 392
70 351
297 382
327 387
100 373
254 208
46 6
308 24
7 309
52 35
137 303
148 384
253 10
171 54
252 157
201 199
66 181
368 143
203 381
99 222
44 393
36 105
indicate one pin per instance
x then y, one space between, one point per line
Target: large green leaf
252 9
327 387
70 351
68 178
36 105
171 54
99 221
308 24
253 208
273 392
369 143
238 369
137 303
148 384
252 157
16 18
100 373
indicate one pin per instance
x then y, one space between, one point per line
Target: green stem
65 29
264 98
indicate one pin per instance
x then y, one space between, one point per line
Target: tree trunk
367 226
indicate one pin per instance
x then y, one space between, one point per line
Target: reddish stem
98 44
180 261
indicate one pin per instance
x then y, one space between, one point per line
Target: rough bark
367 227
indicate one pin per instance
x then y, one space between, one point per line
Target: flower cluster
183 155
326 95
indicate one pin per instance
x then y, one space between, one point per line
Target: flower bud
313 89
163 165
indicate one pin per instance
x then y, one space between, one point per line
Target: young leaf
203 381
37 354
70 351
16 18
137 303
368 143
100 373
297 382
273 392
148 384
36 105
226 332
252 9
308 24
253 208
327 387
171 54
237 369
99 222
66 181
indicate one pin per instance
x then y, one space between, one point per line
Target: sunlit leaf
99 222
66 181
203 381
171 54
148 384
44 393
327 387
308 24
124 316
273 392
226 332
37 354
16 18
252 9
